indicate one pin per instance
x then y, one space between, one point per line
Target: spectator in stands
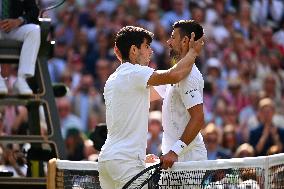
103 71
57 64
244 150
213 71
67 119
86 99
229 139
2 126
179 12
275 149
212 140
270 89
14 160
154 133
19 21
249 112
74 143
266 134
151 18
267 12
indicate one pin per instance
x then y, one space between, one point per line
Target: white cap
155 115
213 62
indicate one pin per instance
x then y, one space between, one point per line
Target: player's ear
117 53
185 40
133 49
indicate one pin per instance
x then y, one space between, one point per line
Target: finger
192 36
5 24
162 162
200 40
5 29
165 165
171 164
191 41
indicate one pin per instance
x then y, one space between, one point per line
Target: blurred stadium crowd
242 65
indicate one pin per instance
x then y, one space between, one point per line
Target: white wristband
178 147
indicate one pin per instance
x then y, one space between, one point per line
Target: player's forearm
192 129
183 67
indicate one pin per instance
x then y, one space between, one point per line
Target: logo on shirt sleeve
190 92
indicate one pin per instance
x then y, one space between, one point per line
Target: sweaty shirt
127 100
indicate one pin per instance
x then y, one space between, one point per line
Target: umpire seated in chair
19 21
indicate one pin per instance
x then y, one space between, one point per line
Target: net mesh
242 173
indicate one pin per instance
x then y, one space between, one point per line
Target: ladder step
10 51
24 139
19 100
9 56
22 181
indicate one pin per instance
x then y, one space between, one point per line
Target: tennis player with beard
182 116
127 99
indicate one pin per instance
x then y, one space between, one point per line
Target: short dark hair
187 27
131 35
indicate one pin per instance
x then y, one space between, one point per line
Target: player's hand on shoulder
168 159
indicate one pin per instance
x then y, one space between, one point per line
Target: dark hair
131 35
187 27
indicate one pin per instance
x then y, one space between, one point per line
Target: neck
130 61
125 60
184 51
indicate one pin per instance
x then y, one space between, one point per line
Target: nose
169 42
151 51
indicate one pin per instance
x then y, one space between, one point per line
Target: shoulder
221 153
140 67
193 78
256 131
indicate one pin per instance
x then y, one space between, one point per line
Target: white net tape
265 172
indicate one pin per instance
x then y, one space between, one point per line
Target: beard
174 54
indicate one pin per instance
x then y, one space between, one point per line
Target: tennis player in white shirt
127 99
182 111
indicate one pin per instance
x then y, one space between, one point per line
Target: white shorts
114 174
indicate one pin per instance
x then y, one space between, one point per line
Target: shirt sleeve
161 90
190 92
141 76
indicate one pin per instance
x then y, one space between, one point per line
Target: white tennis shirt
127 100
175 117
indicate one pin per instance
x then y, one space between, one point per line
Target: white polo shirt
178 99
127 100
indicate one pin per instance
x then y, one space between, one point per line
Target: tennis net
265 172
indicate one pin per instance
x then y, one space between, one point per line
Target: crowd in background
242 65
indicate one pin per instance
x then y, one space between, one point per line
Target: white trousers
114 174
29 34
